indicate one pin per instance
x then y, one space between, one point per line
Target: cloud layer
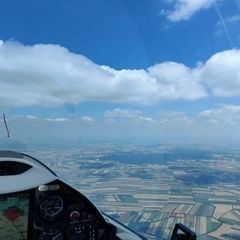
50 75
219 124
225 115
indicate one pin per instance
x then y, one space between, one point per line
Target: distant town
151 188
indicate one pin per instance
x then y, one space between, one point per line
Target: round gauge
52 234
51 207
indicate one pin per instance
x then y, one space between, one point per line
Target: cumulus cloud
122 113
50 75
185 9
146 119
127 115
221 74
226 114
57 119
87 119
214 124
175 80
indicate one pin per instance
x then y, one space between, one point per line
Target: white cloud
87 119
31 117
175 80
232 19
126 115
227 115
57 119
122 113
221 74
146 119
49 75
219 124
185 9
174 118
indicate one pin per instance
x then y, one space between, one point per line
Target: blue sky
157 64
120 34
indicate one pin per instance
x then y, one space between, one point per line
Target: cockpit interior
36 204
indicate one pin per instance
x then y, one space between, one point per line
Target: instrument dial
51 207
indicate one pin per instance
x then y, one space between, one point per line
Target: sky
120 70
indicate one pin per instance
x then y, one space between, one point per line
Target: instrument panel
60 212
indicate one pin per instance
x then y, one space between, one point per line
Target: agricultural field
151 196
